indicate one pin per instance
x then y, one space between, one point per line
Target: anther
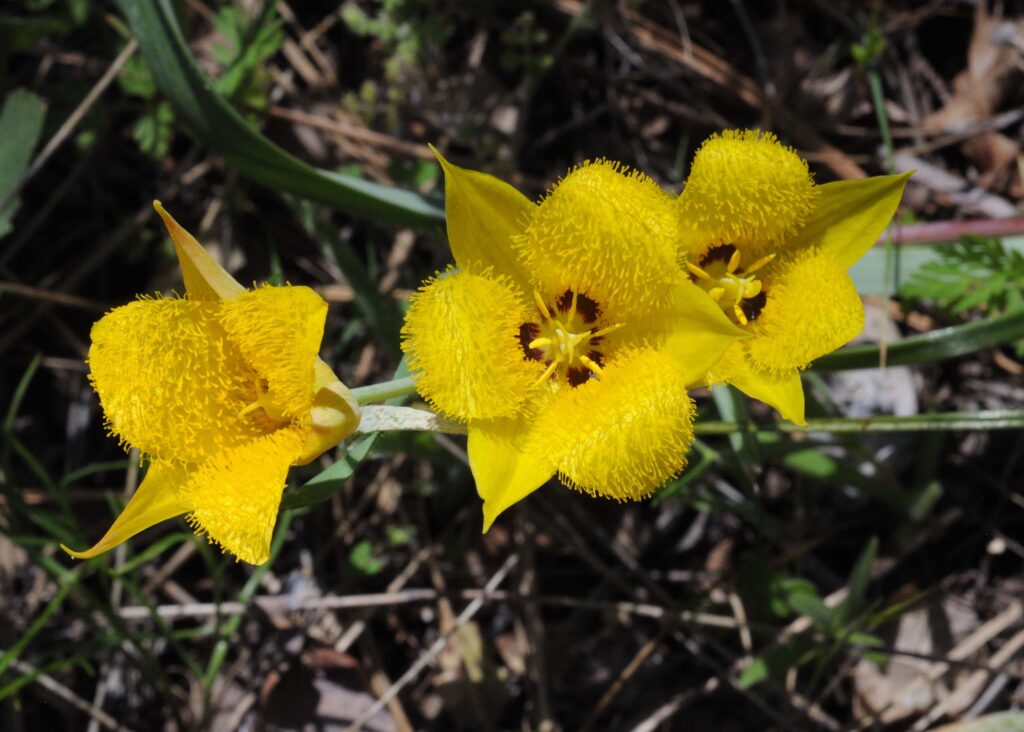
590 364
538 343
716 293
697 271
760 263
541 305
734 262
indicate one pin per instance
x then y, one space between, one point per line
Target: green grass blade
996 419
939 345
218 125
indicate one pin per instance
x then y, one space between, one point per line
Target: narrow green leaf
218 125
328 482
938 345
857 586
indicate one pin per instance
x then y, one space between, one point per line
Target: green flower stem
1000 419
376 393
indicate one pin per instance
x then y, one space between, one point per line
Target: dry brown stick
62 692
970 688
436 647
353 132
943 231
131 481
706 64
627 673
57 298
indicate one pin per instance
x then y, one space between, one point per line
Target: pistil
738 291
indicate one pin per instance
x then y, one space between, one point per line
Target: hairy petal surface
235 496
744 188
606 232
170 382
623 435
812 309
155 500
278 332
461 336
483 215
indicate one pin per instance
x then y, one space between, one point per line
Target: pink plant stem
939 231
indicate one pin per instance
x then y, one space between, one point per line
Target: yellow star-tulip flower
568 335
771 248
222 391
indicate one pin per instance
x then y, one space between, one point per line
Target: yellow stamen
605 331
547 373
541 305
572 309
716 293
752 288
539 343
590 364
734 261
697 271
741 317
760 263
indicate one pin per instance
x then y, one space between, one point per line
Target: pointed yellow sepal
483 215
850 215
155 500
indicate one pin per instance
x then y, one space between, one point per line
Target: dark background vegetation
835 582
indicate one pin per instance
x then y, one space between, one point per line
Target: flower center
567 338
736 290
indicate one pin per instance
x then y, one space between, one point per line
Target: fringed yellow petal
234 498
204 278
333 417
606 232
278 331
744 188
508 460
783 391
169 381
812 308
850 215
483 214
155 500
624 434
461 336
692 331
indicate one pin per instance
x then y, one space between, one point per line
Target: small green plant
974 274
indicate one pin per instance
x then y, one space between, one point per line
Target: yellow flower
568 335
772 249
222 391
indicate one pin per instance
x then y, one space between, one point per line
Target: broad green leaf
21 122
219 126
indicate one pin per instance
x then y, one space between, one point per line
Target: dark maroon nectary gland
587 307
720 253
527 332
578 375
753 306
